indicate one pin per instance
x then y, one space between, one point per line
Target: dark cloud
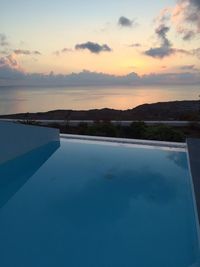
196 3
11 74
26 52
162 52
3 40
3 61
193 52
182 78
161 32
125 22
188 35
135 45
159 52
36 53
64 50
93 47
183 51
188 68
165 49
196 52
4 52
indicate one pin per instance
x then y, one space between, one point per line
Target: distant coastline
39 99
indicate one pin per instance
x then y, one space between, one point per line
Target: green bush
103 129
164 133
137 130
83 128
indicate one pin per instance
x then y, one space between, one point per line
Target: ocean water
94 204
30 99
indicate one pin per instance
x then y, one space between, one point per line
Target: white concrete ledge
163 144
193 147
17 139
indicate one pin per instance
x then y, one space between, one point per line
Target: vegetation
137 130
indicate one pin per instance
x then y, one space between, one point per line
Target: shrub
164 133
103 129
83 128
137 130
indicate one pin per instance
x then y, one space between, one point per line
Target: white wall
17 139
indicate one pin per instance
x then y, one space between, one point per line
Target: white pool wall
17 139
126 141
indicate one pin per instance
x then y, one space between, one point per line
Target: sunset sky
112 37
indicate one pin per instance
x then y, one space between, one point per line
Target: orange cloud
185 16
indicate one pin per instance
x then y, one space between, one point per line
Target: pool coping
193 152
193 155
128 141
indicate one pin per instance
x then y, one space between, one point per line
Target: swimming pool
97 204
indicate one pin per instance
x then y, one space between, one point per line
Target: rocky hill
176 110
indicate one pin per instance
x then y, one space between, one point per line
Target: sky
99 42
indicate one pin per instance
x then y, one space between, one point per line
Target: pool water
89 204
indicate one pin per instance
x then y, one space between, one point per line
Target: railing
90 122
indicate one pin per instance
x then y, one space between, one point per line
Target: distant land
176 110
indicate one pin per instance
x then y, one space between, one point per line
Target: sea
40 99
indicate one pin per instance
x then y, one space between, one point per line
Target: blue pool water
84 204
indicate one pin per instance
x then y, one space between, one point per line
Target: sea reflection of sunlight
16 100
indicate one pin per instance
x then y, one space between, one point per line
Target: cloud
135 45
196 52
3 40
183 51
189 78
64 50
93 47
162 31
26 52
10 70
12 75
188 35
185 16
9 61
159 52
164 16
125 22
4 52
188 68
165 49
192 12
